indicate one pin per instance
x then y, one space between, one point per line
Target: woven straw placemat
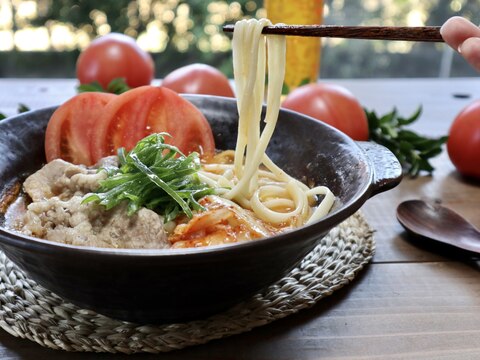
30 311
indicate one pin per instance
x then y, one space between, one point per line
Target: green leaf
305 82
389 118
412 149
116 86
412 118
91 87
22 108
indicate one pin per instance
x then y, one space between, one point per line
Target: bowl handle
387 171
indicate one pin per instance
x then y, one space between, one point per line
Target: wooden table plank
378 316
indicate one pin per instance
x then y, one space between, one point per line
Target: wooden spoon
438 223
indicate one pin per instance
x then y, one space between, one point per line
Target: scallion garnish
154 175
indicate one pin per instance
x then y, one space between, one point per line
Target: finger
470 50
457 29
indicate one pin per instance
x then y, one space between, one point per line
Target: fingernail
441 30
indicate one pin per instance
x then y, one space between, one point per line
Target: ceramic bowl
158 286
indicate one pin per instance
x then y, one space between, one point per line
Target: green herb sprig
412 150
21 108
116 86
154 175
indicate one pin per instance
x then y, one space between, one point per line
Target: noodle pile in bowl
252 179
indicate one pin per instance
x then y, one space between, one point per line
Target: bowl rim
16 239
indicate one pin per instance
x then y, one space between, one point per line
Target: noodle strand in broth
253 180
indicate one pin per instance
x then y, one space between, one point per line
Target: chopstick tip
228 28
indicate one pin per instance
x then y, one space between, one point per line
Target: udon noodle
252 179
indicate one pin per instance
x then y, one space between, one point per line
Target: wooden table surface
414 301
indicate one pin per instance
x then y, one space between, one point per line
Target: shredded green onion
154 175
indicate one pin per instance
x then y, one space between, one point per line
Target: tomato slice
70 129
149 109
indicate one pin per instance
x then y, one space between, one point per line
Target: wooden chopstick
404 33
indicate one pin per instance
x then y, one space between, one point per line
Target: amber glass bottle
303 54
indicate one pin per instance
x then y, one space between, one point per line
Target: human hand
464 37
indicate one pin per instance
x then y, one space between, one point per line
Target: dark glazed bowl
153 286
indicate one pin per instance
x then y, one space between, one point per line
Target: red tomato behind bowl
463 144
115 56
332 104
198 79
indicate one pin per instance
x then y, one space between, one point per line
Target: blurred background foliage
43 38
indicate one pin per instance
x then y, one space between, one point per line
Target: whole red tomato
332 104
115 56
198 79
463 144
